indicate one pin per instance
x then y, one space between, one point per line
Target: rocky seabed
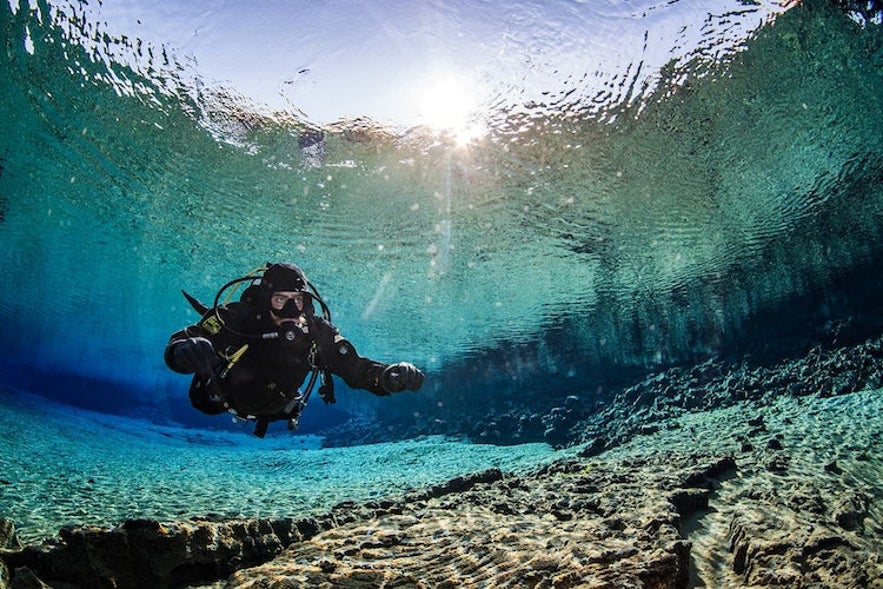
772 490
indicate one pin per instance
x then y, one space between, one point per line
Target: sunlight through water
532 198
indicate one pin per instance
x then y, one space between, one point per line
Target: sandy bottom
60 466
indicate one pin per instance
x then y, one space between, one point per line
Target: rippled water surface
502 193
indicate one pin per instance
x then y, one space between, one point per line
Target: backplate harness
295 407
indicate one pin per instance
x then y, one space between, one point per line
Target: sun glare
448 104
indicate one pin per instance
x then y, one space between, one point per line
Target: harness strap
260 430
295 406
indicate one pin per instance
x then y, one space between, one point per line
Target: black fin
197 306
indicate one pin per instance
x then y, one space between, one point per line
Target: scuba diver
251 357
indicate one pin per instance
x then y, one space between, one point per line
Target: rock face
572 524
8 541
780 488
607 419
761 505
144 553
640 409
765 556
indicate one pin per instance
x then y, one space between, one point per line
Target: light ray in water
705 185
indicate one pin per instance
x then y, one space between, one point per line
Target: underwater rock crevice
148 553
564 523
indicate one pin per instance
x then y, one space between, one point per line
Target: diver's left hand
401 376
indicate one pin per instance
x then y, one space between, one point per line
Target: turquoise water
63 466
641 184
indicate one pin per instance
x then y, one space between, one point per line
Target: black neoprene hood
284 277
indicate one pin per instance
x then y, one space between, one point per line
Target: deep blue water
642 184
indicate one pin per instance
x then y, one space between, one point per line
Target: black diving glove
398 377
196 355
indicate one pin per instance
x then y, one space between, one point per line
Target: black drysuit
263 381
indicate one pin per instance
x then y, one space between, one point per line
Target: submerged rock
760 494
147 553
655 512
563 525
